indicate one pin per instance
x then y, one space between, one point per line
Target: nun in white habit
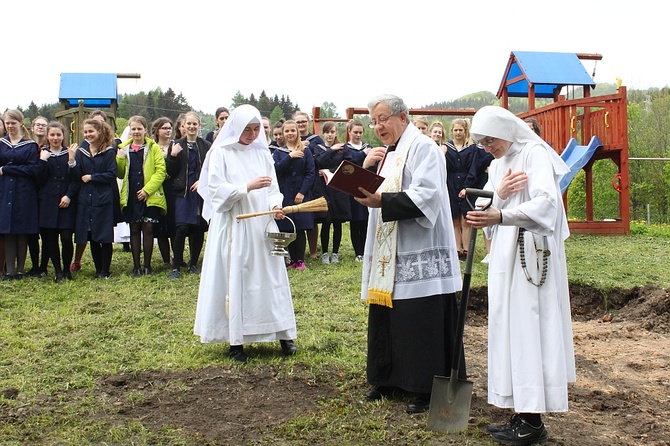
530 347
244 293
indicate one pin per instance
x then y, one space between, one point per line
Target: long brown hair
106 136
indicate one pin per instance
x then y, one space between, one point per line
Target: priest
411 270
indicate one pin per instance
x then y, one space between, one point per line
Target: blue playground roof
547 72
96 89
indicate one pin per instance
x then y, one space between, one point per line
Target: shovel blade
449 405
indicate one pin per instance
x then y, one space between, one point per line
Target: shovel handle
479 192
467 276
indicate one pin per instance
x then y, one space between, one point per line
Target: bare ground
621 397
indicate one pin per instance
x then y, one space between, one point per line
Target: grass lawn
59 340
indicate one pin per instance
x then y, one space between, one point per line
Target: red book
348 177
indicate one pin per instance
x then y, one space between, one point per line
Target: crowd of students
55 193
148 181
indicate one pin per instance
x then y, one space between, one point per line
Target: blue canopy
547 72
96 89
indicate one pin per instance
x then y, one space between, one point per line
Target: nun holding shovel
530 348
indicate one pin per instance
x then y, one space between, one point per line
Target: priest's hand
374 156
371 200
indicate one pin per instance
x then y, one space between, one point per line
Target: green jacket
154 174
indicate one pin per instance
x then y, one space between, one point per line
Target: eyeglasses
381 121
488 142
301 122
166 128
40 125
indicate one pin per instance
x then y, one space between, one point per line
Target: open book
348 177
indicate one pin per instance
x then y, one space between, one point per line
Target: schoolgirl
141 166
57 206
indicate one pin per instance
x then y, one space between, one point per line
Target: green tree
238 99
277 114
32 112
264 104
329 110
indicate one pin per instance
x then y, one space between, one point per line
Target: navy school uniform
18 189
339 206
358 211
188 207
317 188
314 140
478 175
458 166
184 170
295 175
97 199
56 182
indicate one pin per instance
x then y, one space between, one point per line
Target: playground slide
576 158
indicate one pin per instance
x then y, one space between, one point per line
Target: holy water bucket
280 240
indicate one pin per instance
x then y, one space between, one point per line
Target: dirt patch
215 405
621 397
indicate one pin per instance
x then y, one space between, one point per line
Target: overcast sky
340 51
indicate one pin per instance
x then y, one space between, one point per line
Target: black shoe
59 277
147 270
175 274
18 276
378 392
192 269
521 433
36 272
237 354
8 276
419 404
495 428
288 347
68 274
462 256
137 272
105 275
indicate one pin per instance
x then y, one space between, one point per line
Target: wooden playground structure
82 93
543 75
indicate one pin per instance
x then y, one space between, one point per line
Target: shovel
451 397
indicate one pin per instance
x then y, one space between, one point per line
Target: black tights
138 232
358 231
325 235
39 263
196 238
296 249
52 251
102 256
164 247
